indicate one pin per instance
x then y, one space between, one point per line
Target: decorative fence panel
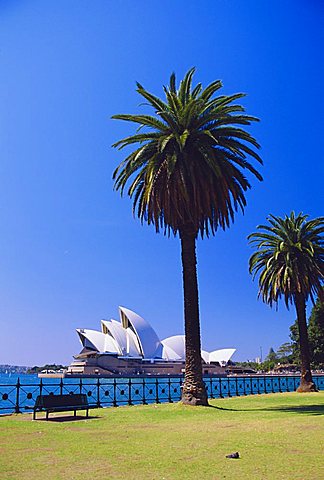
115 391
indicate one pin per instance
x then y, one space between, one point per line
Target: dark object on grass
61 403
233 455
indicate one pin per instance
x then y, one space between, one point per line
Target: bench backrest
68 401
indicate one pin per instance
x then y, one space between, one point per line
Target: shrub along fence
116 391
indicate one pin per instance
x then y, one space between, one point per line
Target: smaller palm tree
290 263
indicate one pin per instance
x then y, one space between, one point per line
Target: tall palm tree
290 263
185 177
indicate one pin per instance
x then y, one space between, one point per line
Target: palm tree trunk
306 380
194 391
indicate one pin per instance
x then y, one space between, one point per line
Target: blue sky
70 250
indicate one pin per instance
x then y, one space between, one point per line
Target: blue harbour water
18 392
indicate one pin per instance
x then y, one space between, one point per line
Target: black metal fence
114 391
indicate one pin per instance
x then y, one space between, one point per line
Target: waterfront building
131 346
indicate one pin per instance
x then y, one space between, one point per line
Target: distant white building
131 346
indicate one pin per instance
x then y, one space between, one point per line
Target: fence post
144 398
98 392
220 387
157 390
80 385
129 391
180 387
17 396
211 386
169 384
61 386
114 398
41 386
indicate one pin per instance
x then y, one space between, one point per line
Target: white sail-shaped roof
175 343
116 330
133 348
168 353
205 356
149 343
97 341
119 334
221 356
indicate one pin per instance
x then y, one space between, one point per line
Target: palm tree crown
187 167
290 258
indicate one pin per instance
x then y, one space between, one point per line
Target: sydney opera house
131 346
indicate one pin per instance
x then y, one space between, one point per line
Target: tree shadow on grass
316 409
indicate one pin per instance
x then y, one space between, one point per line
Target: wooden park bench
61 403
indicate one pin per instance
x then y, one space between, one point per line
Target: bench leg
47 412
87 414
75 413
34 415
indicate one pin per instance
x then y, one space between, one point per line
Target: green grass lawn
278 436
